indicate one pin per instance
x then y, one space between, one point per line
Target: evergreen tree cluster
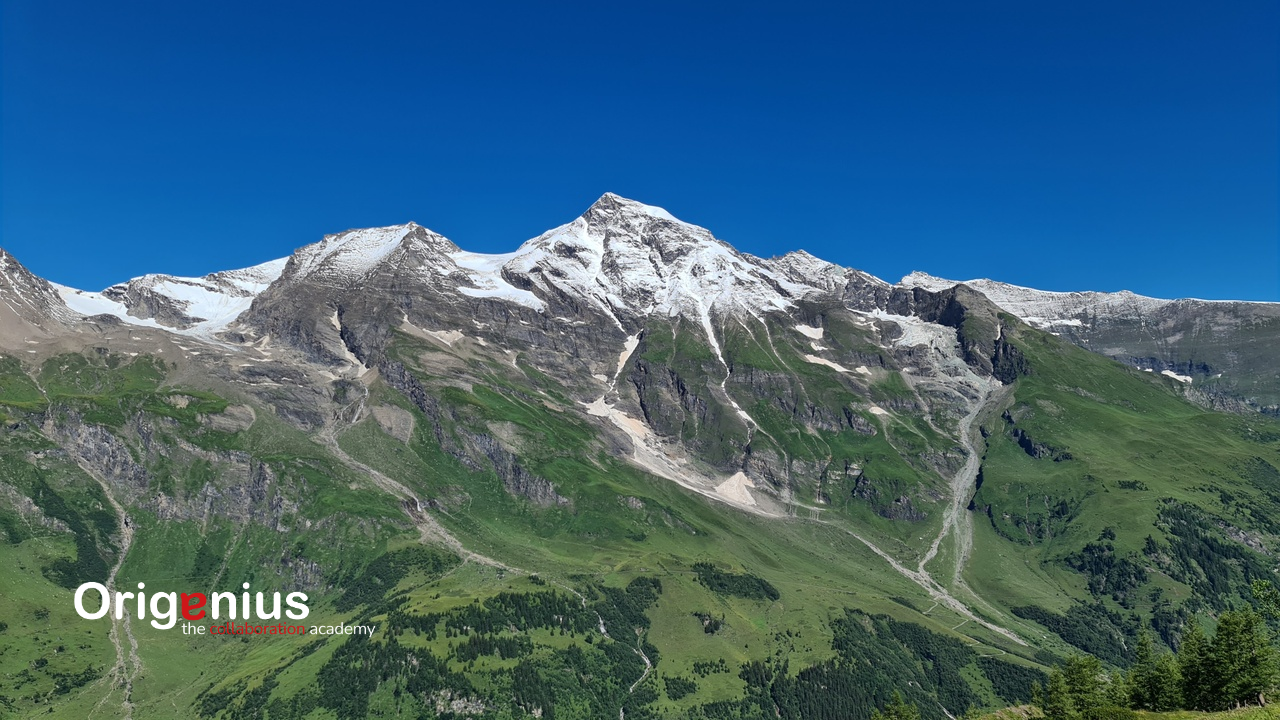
742 585
1234 668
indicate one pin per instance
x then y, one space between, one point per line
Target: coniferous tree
1196 668
1057 703
1154 680
1142 672
1166 692
897 709
1244 659
1117 689
1086 682
1268 598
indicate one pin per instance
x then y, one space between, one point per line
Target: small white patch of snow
877 410
345 351
1180 378
810 332
822 361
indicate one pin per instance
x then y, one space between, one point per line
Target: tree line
1234 667
1238 665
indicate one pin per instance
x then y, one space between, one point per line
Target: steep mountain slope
30 308
194 306
624 469
1222 349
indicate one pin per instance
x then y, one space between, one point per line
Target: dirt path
431 531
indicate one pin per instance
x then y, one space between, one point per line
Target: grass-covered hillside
518 560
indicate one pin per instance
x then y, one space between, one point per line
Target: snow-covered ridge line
933 283
621 258
201 307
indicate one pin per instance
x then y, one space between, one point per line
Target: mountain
1222 348
193 306
622 470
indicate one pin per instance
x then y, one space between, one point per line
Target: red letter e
191 602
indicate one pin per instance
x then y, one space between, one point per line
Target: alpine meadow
626 470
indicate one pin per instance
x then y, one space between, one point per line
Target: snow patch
917 332
814 333
211 302
822 361
1180 378
485 273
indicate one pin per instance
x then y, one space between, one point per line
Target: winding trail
431 531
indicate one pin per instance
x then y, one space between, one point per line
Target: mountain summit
621 470
623 261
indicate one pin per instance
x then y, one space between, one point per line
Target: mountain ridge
770 487
627 260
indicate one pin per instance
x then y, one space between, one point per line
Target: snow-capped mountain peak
629 259
347 257
195 306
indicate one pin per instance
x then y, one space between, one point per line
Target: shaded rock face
31 306
102 454
243 490
144 302
1037 450
1224 346
517 480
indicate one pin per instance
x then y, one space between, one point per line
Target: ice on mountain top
485 273
805 269
1046 308
624 256
208 303
352 254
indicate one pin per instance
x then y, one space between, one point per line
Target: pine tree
1085 682
1245 659
1166 692
1118 690
1057 703
1268 598
1142 674
1155 682
897 709
1195 666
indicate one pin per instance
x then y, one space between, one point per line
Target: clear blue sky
1064 145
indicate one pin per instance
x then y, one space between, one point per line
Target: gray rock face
102 454
1225 347
31 307
651 331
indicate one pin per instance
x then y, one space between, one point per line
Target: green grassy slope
740 616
